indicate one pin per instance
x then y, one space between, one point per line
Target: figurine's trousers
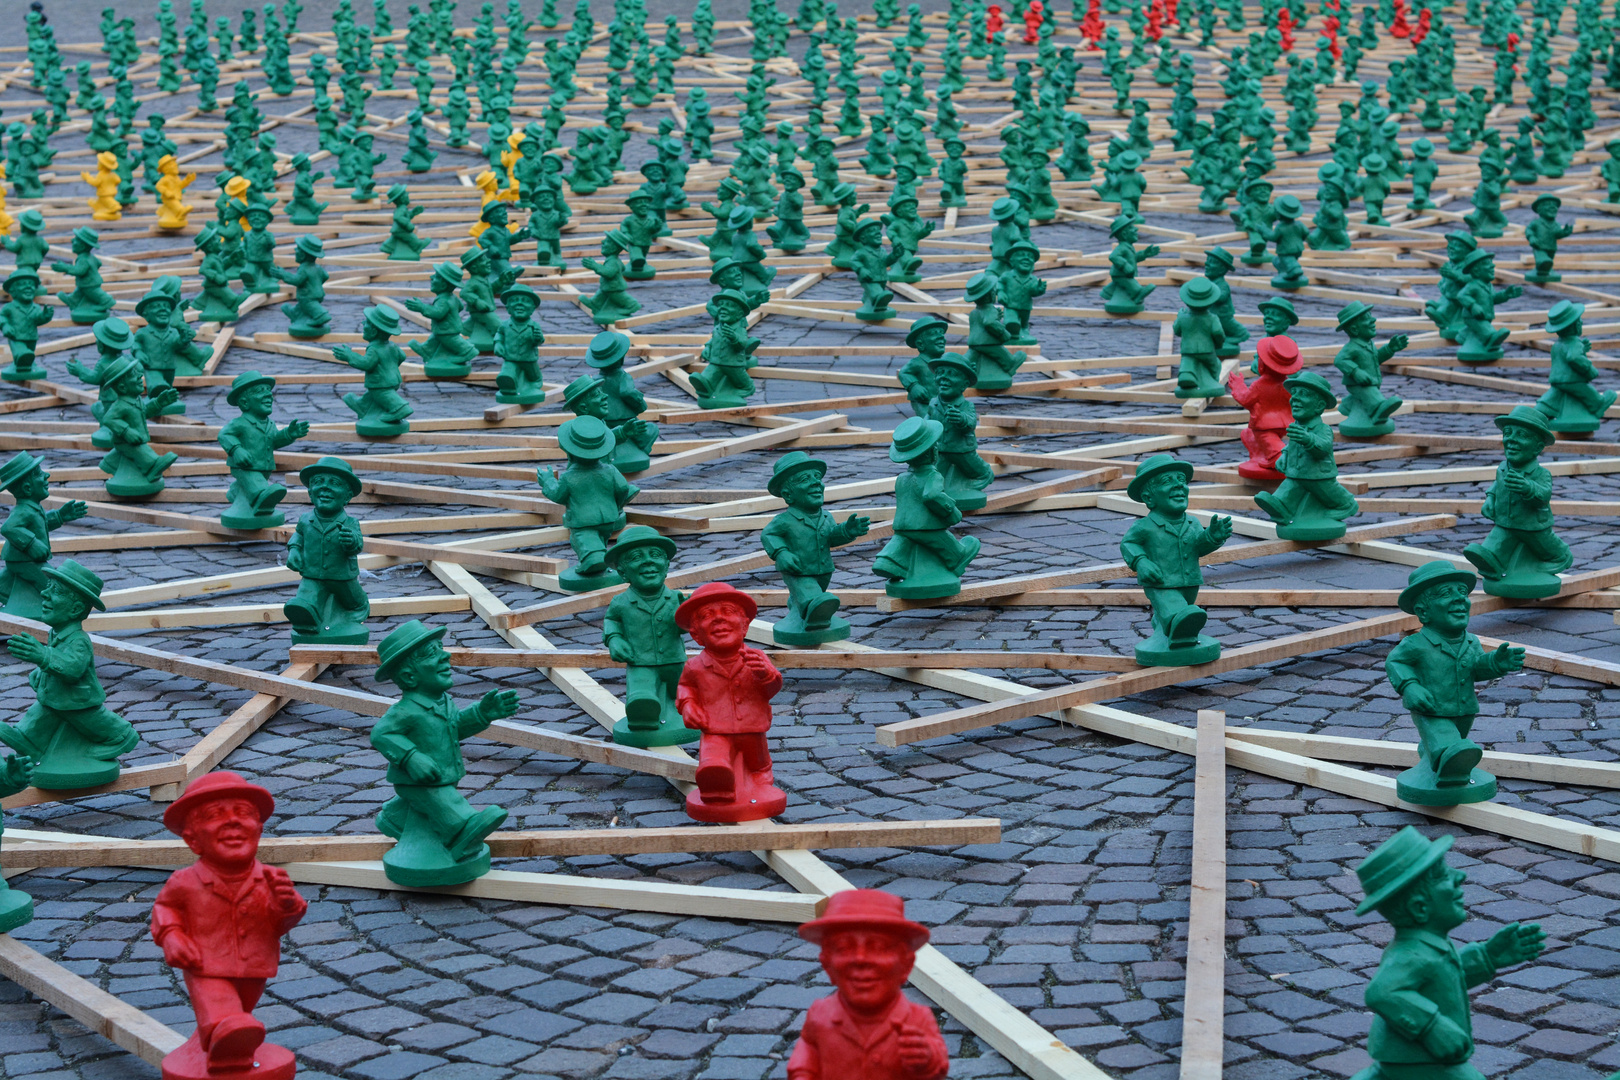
323 594
746 753
254 488
1327 493
1583 393
97 725
1543 545
588 540
1440 733
656 681
214 998
1168 603
968 465
940 542
805 589
21 570
22 352
717 377
442 808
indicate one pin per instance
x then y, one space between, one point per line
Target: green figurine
612 300
1572 406
799 541
303 209
871 268
134 470
1522 557
1421 1025
1163 550
518 345
1543 235
73 738
1018 288
614 400
16 906
725 382
88 303
965 473
166 345
306 315
330 607
1486 221
441 836
639 631
1434 671
1310 504
1367 412
380 412
478 293
1476 308
446 354
1291 239
924 560
927 336
29 246
403 243
20 320
1124 295
218 302
593 494
1199 328
988 334
419 153
1424 173
1218 262
27 532
257 272
250 442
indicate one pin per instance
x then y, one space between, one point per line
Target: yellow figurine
104 207
173 213
237 187
509 160
5 218
488 185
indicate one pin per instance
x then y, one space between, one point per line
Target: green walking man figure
1199 328
446 354
799 541
1124 295
1163 550
250 442
927 336
1571 404
20 320
440 834
1367 412
330 608
381 412
593 494
1310 504
1543 234
1522 557
924 560
639 631
27 532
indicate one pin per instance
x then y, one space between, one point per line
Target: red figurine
1267 401
1400 28
1285 30
1330 30
220 922
1032 22
992 21
868 1029
1155 22
725 692
1091 27
1170 13
1421 31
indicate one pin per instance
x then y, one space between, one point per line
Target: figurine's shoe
235 1038
1485 560
716 783
13 736
1187 624
1457 763
1273 507
16 909
820 613
642 713
302 615
467 841
970 549
1387 409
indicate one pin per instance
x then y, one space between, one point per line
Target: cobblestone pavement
1077 916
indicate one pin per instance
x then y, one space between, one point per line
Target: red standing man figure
1032 22
992 21
1267 400
867 1030
725 692
220 922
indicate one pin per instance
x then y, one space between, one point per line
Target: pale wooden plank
1203 1016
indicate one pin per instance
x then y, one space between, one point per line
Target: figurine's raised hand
26 648
16 773
757 663
283 893
498 704
916 1052
1148 252
1148 572
1397 343
1508 658
1220 529
297 428
858 525
1446 1041
73 510
165 397
180 951
1515 943
415 305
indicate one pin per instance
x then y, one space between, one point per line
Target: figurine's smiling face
1305 403
257 400
224 832
1445 607
426 670
805 490
1276 321
158 312
521 306
60 605
329 493
1167 493
867 966
24 291
722 625
645 568
1023 260
1520 445
952 380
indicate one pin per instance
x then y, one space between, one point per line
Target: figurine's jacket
808 536
237 930
321 550
66 680
1422 976
1448 671
833 1047
731 700
1174 547
1310 458
411 727
256 438
648 627
1513 511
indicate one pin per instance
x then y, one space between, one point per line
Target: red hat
866 909
1280 353
708 594
217 785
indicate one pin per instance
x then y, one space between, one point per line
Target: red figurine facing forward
1091 27
1400 27
725 692
867 1030
1032 22
1421 31
220 922
1267 401
992 21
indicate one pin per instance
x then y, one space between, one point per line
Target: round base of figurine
1156 651
190 1062
526 397
446 369
872 315
1199 391
1122 308
12 373
133 489
721 402
253 522
662 735
1251 471
1352 430
1318 530
1417 786
791 631
306 333
1525 585
70 772
970 500
16 909
629 458
766 802
357 636
381 429
645 274
1289 284
926 589
442 870
1543 279
993 380
571 580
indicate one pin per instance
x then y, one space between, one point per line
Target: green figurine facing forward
593 494
1310 504
330 608
381 412
1434 671
16 906
924 560
74 739
134 470
639 631
799 541
1421 1025
20 320
1163 550
1572 405
441 836
1522 557
1367 412
250 442
27 531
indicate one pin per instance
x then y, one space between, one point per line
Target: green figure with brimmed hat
1572 406
1421 1024
593 494
639 631
612 300
1290 237
749 256
1522 557
446 353
330 607
614 400
20 320
640 230
965 472
1018 287
725 383
88 302
841 251
218 302
1163 550
250 442
1481 340
478 294
135 470
927 336
518 346
988 334
74 739
799 541
163 347
1310 504
1218 262
496 242
871 266
29 245
1367 412
1446 313
1543 234
1375 188
27 532
403 243
303 209
307 315
1434 671
1124 295
441 835
259 251
380 413
1424 172
788 233
1006 232
924 560
1198 328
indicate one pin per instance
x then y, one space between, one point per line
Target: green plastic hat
969 364
447 273
114 333
80 580
1422 148
721 265
398 193
740 216
1398 861
258 209
1351 312
472 256
1121 223
87 236
1289 207
24 275
1312 381
23 465
925 322
1474 258
1222 256
913 438
981 285
1547 198
586 437
1282 304
519 289
31 219
152 297
491 210
1564 314
607 348
790 465
733 296
401 642
1154 466
383 318
578 389
311 245
639 536
1199 292
245 381
331 466
1528 416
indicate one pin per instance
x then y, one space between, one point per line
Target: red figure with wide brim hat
221 922
725 692
1266 398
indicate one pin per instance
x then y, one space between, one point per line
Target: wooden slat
785 659
87 1003
1204 1012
